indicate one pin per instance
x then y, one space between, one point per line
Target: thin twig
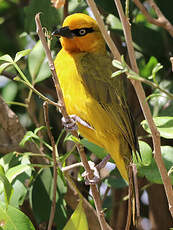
136 190
171 60
37 92
51 65
53 206
161 20
94 190
145 108
69 167
130 200
9 75
154 85
105 194
65 9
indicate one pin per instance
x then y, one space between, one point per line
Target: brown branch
10 140
90 175
65 10
161 20
130 200
136 190
9 75
53 206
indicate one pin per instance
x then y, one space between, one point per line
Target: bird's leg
103 162
70 124
96 177
98 170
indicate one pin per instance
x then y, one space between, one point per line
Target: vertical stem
127 8
94 190
53 206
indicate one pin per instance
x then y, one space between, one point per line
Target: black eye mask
66 32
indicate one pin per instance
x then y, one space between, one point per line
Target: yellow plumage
84 70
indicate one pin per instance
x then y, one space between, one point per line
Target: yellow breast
78 101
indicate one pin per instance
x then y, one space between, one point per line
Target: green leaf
108 6
97 150
152 173
6 58
157 68
44 72
37 63
164 125
4 66
39 129
117 73
28 137
13 172
7 186
9 92
146 155
114 22
117 64
70 137
5 160
170 171
49 17
41 198
13 219
76 6
78 219
153 39
21 54
115 180
147 69
22 173
19 193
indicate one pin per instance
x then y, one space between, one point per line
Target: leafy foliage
12 218
78 220
26 174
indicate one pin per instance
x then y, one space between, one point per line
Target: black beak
64 32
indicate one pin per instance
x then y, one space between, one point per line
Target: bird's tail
127 169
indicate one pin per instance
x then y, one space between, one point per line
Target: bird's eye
82 32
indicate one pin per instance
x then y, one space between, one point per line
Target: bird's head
80 33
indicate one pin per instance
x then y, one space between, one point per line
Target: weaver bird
84 69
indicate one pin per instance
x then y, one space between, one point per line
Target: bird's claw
96 177
93 181
69 124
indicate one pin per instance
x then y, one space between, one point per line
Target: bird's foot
70 124
96 177
100 171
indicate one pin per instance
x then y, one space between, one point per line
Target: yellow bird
84 69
